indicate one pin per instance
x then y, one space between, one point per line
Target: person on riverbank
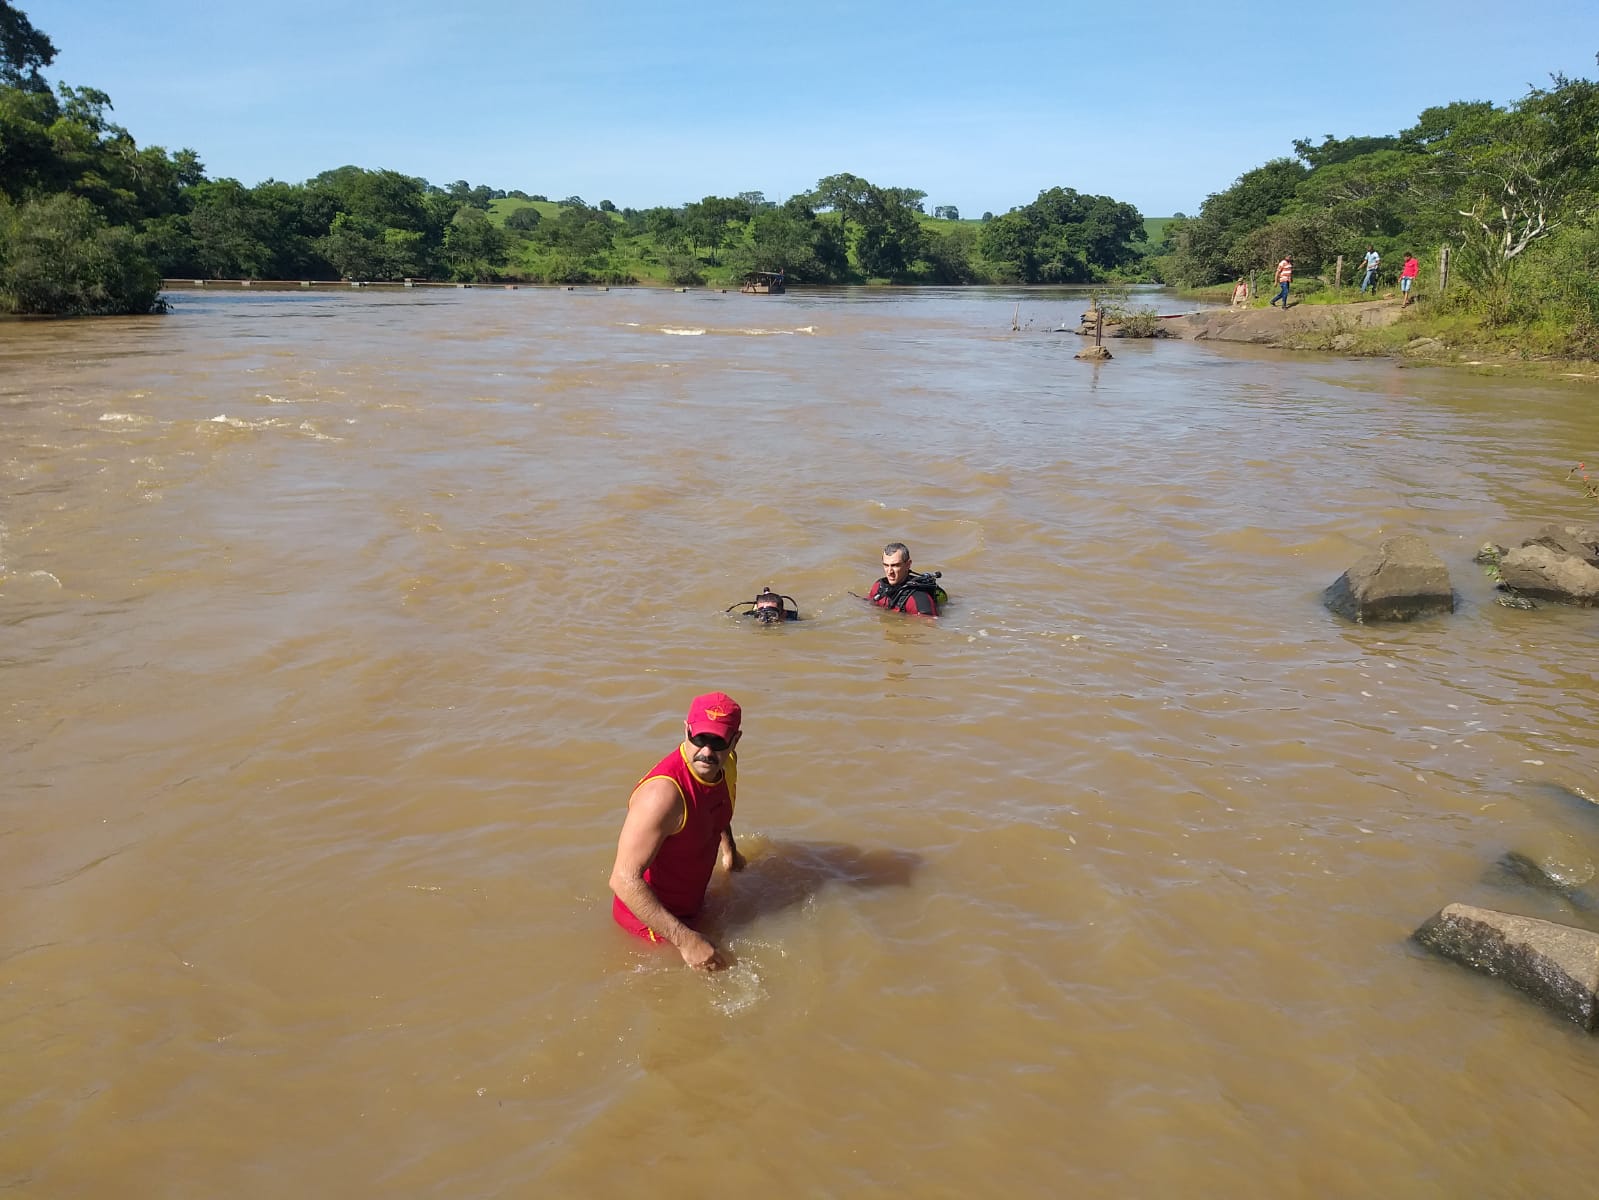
679 825
1369 265
903 590
1407 277
1241 293
1285 276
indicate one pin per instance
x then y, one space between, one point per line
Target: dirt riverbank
1300 327
1362 330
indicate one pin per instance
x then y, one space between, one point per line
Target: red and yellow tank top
683 865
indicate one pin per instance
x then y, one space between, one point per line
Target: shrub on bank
59 257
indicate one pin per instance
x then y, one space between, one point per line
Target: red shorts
623 916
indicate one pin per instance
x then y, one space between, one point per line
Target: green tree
1205 243
791 238
524 219
1063 236
23 51
891 239
58 256
473 246
666 226
715 221
1312 237
948 258
845 194
361 249
29 162
1377 196
1337 150
387 199
166 242
777 241
234 236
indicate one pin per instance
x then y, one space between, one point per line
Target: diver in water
904 590
769 607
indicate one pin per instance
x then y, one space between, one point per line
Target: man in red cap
679 824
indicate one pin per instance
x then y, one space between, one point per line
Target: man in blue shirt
1371 262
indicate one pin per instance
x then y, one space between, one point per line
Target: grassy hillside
939 225
548 210
1155 227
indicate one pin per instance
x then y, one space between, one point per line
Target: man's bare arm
654 813
732 860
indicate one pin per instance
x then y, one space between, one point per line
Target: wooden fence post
1443 269
1338 272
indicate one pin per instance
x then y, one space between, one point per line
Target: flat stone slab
1555 964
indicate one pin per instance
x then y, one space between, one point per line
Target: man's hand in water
699 953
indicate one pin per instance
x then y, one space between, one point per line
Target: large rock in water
1561 564
1556 964
1403 580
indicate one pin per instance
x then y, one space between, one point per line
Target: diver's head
768 607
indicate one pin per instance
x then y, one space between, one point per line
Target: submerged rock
1555 964
1573 798
1403 580
1528 870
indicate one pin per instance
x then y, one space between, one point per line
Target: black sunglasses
709 741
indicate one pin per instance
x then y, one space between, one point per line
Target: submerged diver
769 607
904 590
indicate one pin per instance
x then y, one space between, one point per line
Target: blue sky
979 105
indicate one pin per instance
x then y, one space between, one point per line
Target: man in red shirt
679 824
900 589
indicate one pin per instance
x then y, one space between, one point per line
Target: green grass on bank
1443 333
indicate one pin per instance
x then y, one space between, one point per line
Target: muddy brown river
336 628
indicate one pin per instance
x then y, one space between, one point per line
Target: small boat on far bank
764 283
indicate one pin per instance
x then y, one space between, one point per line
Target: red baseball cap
714 712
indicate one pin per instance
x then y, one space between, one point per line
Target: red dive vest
682 867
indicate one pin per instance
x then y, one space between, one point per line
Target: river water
337 628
